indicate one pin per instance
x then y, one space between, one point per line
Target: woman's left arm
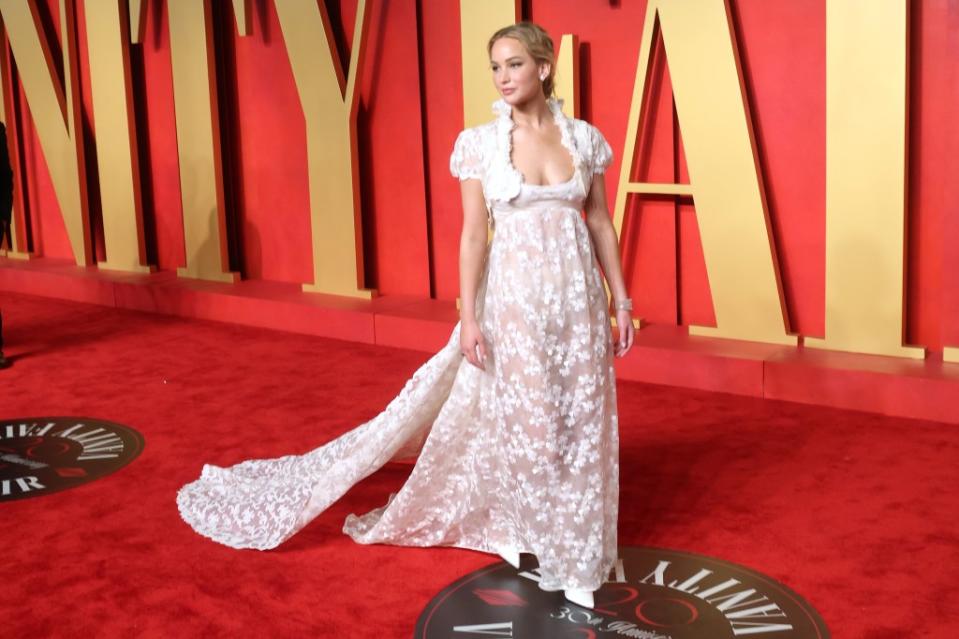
606 243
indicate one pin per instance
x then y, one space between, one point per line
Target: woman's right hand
472 344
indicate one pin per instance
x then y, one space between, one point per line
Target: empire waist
534 208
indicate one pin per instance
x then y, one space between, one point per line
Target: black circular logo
651 593
43 455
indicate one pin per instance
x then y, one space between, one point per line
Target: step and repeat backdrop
783 171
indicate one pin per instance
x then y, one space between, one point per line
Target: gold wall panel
567 74
479 19
198 141
116 136
724 175
329 103
866 116
242 12
138 18
56 111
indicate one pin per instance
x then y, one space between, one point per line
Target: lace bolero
483 151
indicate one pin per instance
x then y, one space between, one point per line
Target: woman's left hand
624 321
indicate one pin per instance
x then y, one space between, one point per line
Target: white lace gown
524 454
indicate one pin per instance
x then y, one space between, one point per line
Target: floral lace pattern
483 152
524 454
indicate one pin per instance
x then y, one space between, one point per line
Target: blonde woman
514 422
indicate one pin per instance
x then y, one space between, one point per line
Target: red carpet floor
857 513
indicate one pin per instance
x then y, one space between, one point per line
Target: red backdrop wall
411 110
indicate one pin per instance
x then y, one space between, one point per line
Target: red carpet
855 512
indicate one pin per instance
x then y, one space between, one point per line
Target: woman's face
515 73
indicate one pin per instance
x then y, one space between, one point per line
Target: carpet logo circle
41 455
651 593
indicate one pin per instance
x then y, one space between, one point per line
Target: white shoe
583 598
510 556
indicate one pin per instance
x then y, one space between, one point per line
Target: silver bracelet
625 304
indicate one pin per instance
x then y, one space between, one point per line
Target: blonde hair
537 43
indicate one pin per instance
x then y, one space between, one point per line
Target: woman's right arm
473 242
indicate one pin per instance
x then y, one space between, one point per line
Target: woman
545 309
514 421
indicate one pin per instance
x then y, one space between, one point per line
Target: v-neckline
547 186
555 107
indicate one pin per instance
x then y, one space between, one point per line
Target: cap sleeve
467 159
602 153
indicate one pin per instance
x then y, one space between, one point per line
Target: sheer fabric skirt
523 455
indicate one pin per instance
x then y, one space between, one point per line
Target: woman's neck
533 114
